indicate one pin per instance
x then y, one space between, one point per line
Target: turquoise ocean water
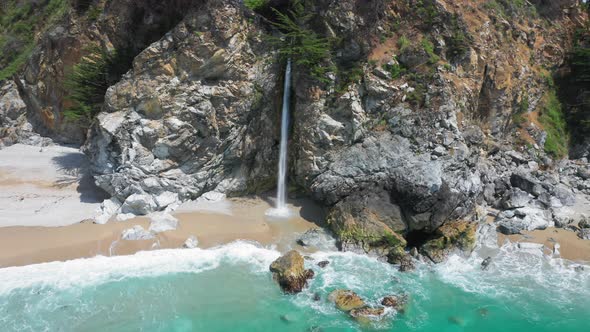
229 288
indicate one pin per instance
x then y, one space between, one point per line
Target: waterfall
281 207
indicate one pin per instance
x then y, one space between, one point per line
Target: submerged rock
323 264
346 300
457 320
290 273
486 263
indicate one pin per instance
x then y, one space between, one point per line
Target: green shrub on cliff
301 44
87 82
255 4
458 41
429 49
553 121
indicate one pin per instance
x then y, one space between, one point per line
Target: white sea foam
101 269
515 271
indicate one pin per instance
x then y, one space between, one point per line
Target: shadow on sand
75 168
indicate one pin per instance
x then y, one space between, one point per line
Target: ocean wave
101 269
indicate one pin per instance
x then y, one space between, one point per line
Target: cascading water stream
281 207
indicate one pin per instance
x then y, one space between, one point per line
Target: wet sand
570 245
244 220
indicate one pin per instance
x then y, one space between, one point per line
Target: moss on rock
451 236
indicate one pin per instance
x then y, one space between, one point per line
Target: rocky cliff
425 112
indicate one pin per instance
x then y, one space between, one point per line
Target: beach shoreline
23 245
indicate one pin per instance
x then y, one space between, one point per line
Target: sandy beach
48 186
570 245
244 219
47 197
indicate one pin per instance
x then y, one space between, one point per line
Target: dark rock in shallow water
455 235
366 223
318 238
316 297
486 263
579 268
365 315
396 302
290 272
457 320
323 264
483 312
406 264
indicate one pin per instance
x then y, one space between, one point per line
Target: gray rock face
584 172
198 121
526 218
516 198
526 183
425 192
161 222
14 124
138 204
199 112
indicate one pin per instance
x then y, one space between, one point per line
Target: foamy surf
92 271
196 289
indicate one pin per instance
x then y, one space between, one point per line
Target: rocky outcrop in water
289 271
346 300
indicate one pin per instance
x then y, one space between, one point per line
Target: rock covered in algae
290 272
346 300
455 235
366 315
